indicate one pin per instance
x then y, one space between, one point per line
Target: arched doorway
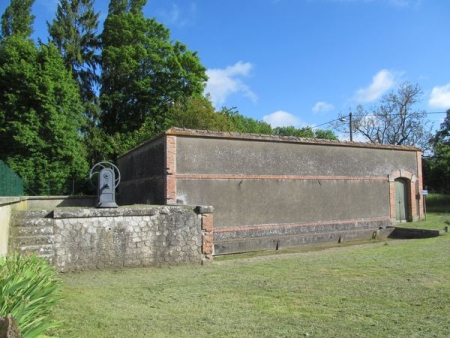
401 200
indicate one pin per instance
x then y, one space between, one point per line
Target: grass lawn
384 289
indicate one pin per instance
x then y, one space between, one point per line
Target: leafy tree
292 131
243 124
325 134
437 166
143 72
40 116
197 112
17 18
395 120
305 132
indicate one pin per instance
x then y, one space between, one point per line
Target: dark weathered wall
241 202
284 182
228 156
142 175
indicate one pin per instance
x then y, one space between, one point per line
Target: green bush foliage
29 287
439 203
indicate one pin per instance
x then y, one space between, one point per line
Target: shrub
29 287
438 203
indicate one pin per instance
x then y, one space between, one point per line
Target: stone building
272 191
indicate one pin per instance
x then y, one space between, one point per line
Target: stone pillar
420 184
206 214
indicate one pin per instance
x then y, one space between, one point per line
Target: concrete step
412 233
19 231
32 222
36 240
39 250
32 214
31 232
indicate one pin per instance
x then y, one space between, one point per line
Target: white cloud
224 82
174 14
179 16
381 83
440 97
322 107
281 118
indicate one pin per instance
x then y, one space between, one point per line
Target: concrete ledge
9 200
412 233
285 229
140 210
50 202
204 209
275 243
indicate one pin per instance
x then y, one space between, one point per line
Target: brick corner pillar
170 181
420 213
207 224
392 197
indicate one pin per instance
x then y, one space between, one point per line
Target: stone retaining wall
131 237
136 236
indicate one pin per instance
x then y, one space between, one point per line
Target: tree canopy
143 71
17 19
40 116
74 33
437 165
307 132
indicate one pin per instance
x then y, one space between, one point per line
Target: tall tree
143 72
395 120
74 32
40 116
17 19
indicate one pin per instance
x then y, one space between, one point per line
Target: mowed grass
438 213
384 289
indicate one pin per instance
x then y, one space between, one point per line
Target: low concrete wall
6 205
50 202
278 236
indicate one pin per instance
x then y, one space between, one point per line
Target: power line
356 115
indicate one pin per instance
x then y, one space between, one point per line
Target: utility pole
350 122
350 117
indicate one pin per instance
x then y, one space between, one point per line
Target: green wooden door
401 200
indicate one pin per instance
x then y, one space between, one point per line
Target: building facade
272 191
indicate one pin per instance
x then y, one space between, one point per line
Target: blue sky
302 62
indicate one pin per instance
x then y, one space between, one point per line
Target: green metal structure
10 183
